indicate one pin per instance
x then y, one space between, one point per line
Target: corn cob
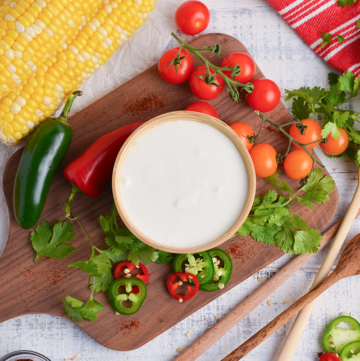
43 92
31 30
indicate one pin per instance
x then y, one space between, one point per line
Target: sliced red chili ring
130 267
173 284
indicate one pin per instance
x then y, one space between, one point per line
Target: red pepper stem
65 112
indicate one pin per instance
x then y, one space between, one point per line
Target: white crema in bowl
183 184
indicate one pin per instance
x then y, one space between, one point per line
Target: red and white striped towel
311 17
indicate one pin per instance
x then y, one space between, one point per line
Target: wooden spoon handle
251 302
280 320
299 325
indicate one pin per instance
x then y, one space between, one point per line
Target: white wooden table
286 59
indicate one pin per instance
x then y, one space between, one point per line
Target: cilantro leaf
348 82
326 39
164 257
51 242
300 108
102 283
330 128
354 135
246 228
96 266
122 242
357 158
77 310
310 95
265 233
307 241
343 3
314 196
340 38
283 186
333 78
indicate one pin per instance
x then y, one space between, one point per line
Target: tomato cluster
176 66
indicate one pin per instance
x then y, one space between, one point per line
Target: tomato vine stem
280 127
231 84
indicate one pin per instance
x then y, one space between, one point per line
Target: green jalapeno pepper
199 264
351 352
42 156
117 299
223 269
336 338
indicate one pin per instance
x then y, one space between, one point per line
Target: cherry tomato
243 130
168 73
246 63
298 164
264 158
312 133
192 17
202 107
331 356
336 146
201 89
265 96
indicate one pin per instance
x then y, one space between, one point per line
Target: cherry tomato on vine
331 356
298 164
243 130
264 158
203 90
202 107
265 96
244 61
184 69
192 17
311 133
336 146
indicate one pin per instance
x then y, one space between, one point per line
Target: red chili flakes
240 251
126 325
145 104
24 359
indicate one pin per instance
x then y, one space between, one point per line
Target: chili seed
180 283
181 300
179 349
221 286
126 271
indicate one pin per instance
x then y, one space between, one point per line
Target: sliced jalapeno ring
335 338
199 264
117 299
223 269
351 352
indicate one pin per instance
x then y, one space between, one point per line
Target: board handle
302 319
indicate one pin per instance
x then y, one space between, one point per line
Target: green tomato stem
229 82
279 127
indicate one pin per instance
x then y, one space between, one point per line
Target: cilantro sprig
329 103
51 242
78 310
270 220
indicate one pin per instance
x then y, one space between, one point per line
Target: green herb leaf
300 108
96 266
51 242
343 3
326 39
340 38
77 310
330 128
333 78
307 241
102 283
357 158
164 257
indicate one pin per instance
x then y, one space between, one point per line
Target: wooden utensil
299 325
349 265
251 302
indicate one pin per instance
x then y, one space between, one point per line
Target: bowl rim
24 353
201 118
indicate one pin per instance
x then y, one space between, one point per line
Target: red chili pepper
172 285
130 266
92 170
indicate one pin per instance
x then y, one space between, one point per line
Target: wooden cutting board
28 288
